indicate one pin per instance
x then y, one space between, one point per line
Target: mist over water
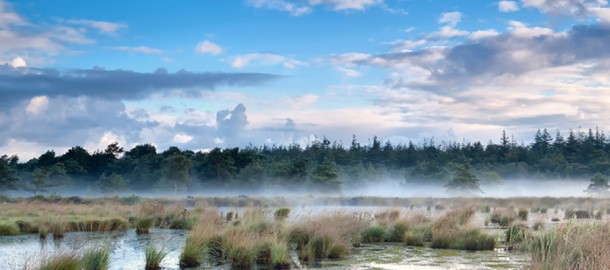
384 188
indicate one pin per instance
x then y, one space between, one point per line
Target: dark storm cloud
18 84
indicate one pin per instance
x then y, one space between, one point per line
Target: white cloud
102 26
450 18
447 32
301 7
349 72
209 48
7 17
293 9
37 105
521 30
347 4
182 138
507 6
138 49
18 62
482 34
242 61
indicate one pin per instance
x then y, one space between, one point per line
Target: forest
321 166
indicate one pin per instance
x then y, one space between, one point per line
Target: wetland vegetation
336 232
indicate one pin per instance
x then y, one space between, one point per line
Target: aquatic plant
144 224
96 259
43 231
154 256
62 261
58 229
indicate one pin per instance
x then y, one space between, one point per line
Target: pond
127 252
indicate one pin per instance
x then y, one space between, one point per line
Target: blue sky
201 74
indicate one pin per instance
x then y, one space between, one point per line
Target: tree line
322 165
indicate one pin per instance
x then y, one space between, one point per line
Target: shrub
8 227
154 257
281 214
96 259
373 234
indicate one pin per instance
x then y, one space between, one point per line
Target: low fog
383 188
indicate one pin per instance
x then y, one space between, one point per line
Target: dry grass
572 246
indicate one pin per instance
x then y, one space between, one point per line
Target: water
127 252
127 248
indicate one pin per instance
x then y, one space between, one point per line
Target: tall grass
62 261
8 227
280 256
96 259
572 246
154 256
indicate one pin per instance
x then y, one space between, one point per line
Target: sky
230 73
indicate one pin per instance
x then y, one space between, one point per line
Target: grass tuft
154 256
96 259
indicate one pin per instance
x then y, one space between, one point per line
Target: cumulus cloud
101 26
572 8
507 6
242 61
208 47
113 84
137 49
